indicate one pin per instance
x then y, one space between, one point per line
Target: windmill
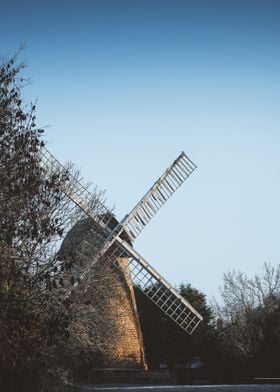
115 239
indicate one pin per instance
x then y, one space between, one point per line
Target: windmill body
112 303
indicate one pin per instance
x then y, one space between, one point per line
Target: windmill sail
157 195
155 287
77 192
150 282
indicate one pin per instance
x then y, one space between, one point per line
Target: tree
31 221
248 320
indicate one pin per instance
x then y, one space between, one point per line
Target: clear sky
125 86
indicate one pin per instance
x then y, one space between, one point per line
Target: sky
124 86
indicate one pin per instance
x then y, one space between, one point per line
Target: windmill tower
100 237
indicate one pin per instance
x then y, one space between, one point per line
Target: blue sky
124 86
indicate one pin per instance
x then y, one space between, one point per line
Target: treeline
239 338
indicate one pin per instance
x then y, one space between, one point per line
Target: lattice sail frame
149 281
158 194
78 193
155 287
